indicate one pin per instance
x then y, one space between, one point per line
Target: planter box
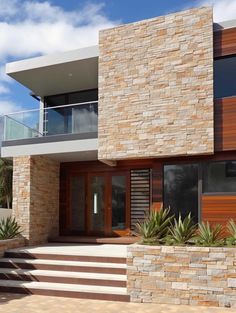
182 275
11 244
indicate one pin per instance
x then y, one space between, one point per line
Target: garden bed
189 275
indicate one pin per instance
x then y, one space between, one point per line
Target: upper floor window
225 77
72 113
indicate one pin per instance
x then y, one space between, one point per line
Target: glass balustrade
67 119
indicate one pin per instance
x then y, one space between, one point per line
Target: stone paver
12 303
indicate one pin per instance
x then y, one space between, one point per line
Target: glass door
77 204
97 203
119 203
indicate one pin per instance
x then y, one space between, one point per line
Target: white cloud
223 9
7 106
29 28
42 28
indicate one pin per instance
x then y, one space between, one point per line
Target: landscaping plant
155 227
9 228
182 231
231 227
209 235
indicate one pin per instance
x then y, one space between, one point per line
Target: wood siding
225 42
225 124
218 208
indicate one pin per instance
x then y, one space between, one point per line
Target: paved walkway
12 303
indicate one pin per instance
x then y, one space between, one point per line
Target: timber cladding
225 130
218 208
156 87
225 42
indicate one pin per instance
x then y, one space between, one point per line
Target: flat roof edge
52 59
224 25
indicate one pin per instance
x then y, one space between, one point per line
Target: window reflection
181 189
224 77
220 177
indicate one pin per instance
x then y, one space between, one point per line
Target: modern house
146 117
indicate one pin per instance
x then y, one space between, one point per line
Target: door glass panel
78 203
97 203
118 202
181 189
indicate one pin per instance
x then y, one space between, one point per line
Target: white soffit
58 73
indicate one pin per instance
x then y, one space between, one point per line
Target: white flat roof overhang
58 73
63 151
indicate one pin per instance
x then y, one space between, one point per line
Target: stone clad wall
182 275
156 87
36 197
11 244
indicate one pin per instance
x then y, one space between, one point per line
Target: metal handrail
49 108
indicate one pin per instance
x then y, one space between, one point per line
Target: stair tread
64 287
103 250
53 273
62 262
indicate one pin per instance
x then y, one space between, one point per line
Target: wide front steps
79 276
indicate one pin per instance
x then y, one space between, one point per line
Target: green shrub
231 227
9 228
182 231
155 227
209 235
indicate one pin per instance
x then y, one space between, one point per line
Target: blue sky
30 28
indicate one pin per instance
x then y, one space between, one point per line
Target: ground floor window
184 184
219 177
181 189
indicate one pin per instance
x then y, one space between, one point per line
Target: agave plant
9 228
155 227
181 231
231 227
209 235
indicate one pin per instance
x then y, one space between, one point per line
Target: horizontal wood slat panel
140 195
225 124
225 42
218 208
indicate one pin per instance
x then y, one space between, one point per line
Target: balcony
80 119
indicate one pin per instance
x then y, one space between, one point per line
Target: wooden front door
99 204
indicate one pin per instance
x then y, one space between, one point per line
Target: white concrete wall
4 213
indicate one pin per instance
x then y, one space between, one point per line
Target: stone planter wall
182 275
11 244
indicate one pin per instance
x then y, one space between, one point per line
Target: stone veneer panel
156 87
36 197
182 275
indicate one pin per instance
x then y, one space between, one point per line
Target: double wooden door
99 204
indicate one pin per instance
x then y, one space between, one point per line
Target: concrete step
64 249
66 270
81 278
61 265
65 290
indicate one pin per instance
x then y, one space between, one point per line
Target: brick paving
13 303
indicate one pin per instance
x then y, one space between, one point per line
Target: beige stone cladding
156 87
36 197
182 275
